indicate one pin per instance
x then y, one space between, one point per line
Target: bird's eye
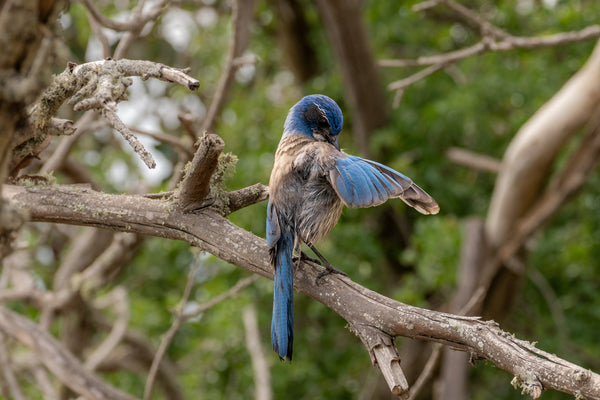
323 122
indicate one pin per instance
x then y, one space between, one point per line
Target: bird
311 181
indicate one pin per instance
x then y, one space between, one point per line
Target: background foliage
478 105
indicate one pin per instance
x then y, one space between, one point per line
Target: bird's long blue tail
282 323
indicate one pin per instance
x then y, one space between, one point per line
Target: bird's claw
329 270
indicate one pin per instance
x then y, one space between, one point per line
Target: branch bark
364 309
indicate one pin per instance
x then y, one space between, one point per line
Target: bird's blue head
316 116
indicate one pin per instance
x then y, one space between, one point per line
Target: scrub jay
312 179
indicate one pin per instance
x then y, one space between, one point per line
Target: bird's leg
298 254
329 269
306 257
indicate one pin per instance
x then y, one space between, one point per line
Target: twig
260 366
247 196
137 22
118 299
233 291
44 383
493 39
473 160
187 120
484 26
110 113
137 352
170 334
544 287
168 139
241 16
143 17
427 372
95 25
7 372
404 83
54 162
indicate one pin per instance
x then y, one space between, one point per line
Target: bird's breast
299 187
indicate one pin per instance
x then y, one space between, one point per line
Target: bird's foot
329 269
305 257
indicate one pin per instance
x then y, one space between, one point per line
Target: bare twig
170 334
60 154
110 113
233 291
544 287
44 383
118 299
474 160
169 139
404 83
144 17
187 122
428 370
493 39
247 196
137 353
468 15
260 366
137 22
242 17
97 29
8 375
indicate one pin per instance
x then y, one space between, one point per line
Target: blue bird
312 179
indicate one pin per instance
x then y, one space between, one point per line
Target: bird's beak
334 141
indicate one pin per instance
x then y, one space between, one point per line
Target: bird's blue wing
273 229
365 183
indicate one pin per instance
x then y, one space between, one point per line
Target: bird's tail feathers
417 198
282 323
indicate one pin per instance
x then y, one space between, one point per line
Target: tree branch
493 39
364 309
101 85
62 363
242 18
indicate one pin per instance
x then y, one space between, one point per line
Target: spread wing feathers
366 183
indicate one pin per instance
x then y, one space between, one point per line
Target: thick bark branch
364 309
530 155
